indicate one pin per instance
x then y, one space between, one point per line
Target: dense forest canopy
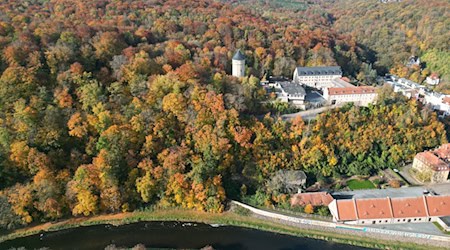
110 106
396 31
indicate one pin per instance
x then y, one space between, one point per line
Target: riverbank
226 218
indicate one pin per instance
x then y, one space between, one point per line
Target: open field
360 184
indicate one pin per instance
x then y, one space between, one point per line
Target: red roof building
315 199
433 166
390 210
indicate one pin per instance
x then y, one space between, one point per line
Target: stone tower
238 64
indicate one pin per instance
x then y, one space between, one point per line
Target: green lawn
360 184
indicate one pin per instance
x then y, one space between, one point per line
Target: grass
360 184
226 218
441 228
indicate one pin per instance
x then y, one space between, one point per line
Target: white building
317 77
438 101
238 64
360 96
291 92
433 79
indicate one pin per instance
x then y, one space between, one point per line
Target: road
309 114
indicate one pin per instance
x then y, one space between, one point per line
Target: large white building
238 64
317 77
360 96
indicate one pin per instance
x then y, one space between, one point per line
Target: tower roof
239 56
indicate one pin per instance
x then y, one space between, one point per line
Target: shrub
323 211
394 183
309 209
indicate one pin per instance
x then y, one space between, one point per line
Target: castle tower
238 64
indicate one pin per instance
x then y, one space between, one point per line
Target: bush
323 211
394 183
309 209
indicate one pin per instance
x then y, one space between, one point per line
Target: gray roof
328 70
239 56
293 88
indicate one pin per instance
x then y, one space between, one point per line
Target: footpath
376 233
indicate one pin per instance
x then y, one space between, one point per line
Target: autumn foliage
110 106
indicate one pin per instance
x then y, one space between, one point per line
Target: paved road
307 114
405 173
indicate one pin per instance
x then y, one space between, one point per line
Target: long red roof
352 90
388 208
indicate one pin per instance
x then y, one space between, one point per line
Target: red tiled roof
433 161
438 205
373 208
434 76
345 79
408 207
446 100
387 208
346 210
315 199
352 90
443 151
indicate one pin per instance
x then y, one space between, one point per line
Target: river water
169 235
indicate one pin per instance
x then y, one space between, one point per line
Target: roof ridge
390 207
356 208
425 202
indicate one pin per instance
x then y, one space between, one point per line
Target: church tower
238 64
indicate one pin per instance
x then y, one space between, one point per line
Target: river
169 235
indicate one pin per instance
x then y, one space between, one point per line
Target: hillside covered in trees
396 31
109 106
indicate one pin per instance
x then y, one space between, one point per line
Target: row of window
399 220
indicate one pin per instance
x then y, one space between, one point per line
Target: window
373 222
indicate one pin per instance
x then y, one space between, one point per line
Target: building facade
291 92
390 210
317 77
433 79
238 64
433 166
360 96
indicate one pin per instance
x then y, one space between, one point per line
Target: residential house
433 79
433 166
313 198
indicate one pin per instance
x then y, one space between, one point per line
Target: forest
109 106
